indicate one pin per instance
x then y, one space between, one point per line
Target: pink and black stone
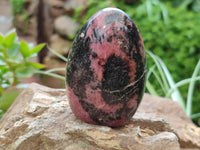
106 69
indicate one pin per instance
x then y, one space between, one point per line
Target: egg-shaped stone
106 69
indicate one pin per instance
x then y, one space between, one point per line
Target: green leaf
1 113
8 76
194 116
149 8
196 6
7 99
155 58
37 48
5 85
9 40
24 72
3 70
36 65
1 42
151 89
1 39
13 50
30 45
176 95
181 83
2 61
11 31
24 49
191 90
15 59
157 77
31 56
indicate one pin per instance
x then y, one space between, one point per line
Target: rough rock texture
65 26
40 118
188 133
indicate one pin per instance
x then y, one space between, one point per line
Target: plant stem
57 54
55 69
50 74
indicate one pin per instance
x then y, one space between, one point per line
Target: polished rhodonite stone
106 69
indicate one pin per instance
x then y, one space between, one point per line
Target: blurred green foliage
20 15
17 6
170 29
15 64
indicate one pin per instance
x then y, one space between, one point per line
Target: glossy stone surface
106 72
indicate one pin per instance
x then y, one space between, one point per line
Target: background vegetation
19 14
15 65
170 29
